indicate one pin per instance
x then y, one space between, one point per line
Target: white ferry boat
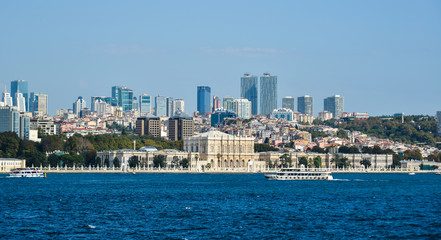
301 174
25 172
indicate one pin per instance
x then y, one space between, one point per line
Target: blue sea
219 206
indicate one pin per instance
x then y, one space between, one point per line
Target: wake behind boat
301 174
25 172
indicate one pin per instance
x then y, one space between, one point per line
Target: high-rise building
124 97
438 115
12 121
20 102
179 106
334 104
7 99
219 115
148 124
135 104
93 100
248 90
22 87
216 103
160 106
242 108
79 105
228 103
288 103
145 104
38 103
180 126
170 106
268 93
204 93
305 104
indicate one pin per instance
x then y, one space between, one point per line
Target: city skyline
384 59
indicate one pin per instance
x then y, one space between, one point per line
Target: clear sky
382 56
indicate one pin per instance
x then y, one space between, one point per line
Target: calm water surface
219 206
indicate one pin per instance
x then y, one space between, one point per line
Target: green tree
262 147
184 163
106 162
9 144
133 161
318 162
342 134
303 161
116 162
340 162
366 163
285 160
159 161
318 149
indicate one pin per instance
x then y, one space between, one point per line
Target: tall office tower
93 100
7 99
242 108
79 105
288 103
111 100
334 104
20 102
135 103
38 103
123 97
438 115
204 93
160 106
248 90
20 86
268 94
228 103
180 126
216 103
305 104
12 121
179 106
170 106
145 104
148 124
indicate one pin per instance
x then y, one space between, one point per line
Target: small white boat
26 172
301 174
411 173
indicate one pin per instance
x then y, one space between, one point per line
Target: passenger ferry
301 174
25 172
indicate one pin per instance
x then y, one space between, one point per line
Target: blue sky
382 56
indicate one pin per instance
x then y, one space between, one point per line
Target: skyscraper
79 105
148 124
93 100
20 86
228 103
38 103
7 99
124 97
288 103
145 105
305 104
20 102
170 106
268 93
179 106
248 90
160 106
242 108
204 96
12 121
216 103
334 104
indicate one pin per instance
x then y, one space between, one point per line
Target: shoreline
221 172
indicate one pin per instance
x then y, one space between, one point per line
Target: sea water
219 206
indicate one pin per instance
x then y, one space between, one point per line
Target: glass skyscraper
305 104
334 104
160 106
268 93
288 103
248 90
22 87
204 98
145 105
124 97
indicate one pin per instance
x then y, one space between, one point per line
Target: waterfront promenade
221 170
